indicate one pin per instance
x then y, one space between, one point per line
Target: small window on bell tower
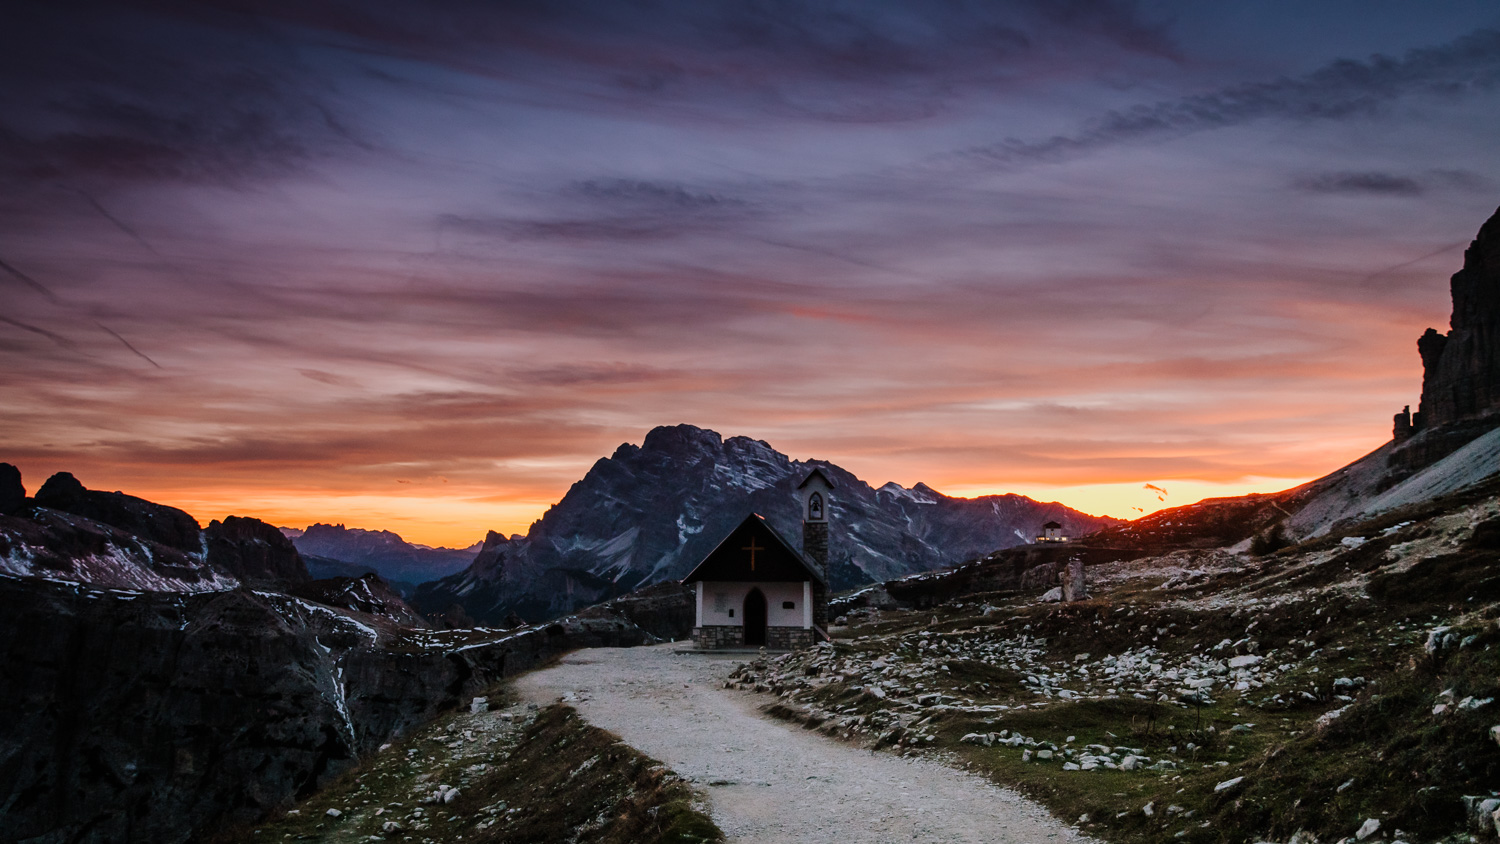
815 507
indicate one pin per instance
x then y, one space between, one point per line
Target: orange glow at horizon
1134 500
458 521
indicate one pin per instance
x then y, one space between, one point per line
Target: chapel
756 590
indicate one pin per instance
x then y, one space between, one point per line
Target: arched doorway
755 618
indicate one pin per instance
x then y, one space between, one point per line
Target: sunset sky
417 266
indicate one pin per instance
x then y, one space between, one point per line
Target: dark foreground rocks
155 717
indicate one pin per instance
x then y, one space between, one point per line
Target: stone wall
717 637
788 638
712 637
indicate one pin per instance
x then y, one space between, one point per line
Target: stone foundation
713 637
716 637
788 638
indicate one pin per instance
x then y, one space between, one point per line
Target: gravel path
769 781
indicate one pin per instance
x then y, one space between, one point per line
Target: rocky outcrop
162 717
367 594
159 523
648 513
12 491
53 544
253 552
1460 369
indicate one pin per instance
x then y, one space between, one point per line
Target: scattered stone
1367 829
1228 784
1480 811
334 813
1440 638
479 704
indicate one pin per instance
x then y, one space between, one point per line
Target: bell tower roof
815 476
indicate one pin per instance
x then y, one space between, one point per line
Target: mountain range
338 551
648 513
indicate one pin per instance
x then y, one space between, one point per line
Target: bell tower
813 493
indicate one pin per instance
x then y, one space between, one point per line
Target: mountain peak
680 438
646 515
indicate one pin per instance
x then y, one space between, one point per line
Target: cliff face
1461 369
161 717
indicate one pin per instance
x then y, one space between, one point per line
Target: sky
417 266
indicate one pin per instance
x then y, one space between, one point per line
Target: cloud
818 59
137 94
1372 182
614 210
1339 90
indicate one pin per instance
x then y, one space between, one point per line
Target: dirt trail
769 781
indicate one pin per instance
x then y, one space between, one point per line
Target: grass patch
522 775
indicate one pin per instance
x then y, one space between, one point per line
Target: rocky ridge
648 513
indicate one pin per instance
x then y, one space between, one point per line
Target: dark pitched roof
1051 526
817 472
774 559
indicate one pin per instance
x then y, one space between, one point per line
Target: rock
254 552
1245 661
159 523
1228 784
1075 583
1495 733
1044 755
1440 638
1130 763
1367 829
368 594
391 828
1461 369
165 717
1052 595
1480 811
479 704
12 491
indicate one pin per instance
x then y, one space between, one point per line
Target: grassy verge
516 774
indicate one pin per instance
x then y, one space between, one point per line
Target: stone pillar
1075 585
1403 428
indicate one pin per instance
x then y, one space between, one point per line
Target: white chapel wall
720 597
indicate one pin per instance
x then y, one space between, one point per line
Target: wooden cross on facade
752 548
